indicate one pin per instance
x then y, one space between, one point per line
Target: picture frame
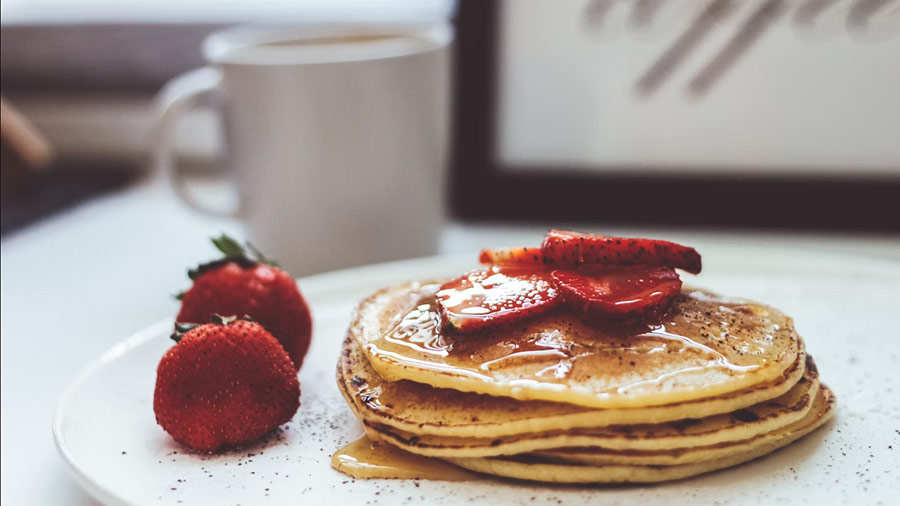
483 188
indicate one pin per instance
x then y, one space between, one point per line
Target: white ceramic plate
845 307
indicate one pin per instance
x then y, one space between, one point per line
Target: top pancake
704 346
421 409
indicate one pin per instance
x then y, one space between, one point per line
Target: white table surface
76 284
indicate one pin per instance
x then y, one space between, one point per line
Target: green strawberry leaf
260 256
233 251
228 246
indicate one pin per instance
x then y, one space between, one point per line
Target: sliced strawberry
619 290
571 249
496 295
512 257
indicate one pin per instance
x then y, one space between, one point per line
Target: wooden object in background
23 150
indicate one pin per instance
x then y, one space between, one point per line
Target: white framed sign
806 87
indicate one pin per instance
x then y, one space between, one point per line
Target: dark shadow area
53 191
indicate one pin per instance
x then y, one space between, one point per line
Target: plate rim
89 484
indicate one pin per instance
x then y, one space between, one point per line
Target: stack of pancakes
557 398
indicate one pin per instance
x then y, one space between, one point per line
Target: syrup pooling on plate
364 458
703 346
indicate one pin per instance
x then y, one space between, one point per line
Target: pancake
743 424
535 468
600 456
423 409
704 346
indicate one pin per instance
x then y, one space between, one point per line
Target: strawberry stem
181 329
233 251
222 320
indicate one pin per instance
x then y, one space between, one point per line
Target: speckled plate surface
845 307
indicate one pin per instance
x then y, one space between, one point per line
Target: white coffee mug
336 138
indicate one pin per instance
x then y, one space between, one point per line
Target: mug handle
196 88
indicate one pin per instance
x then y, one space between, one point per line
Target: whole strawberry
246 283
224 384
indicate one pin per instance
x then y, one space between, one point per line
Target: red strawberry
224 384
512 257
492 296
245 283
619 290
571 249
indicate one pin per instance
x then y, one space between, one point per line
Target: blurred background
480 123
590 105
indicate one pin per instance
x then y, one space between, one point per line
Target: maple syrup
364 458
705 346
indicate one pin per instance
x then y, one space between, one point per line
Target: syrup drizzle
420 330
547 354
